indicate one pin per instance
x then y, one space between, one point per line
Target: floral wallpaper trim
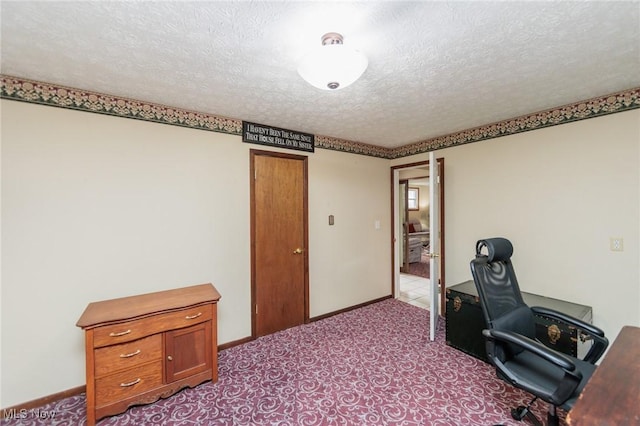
596 107
65 97
352 147
54 95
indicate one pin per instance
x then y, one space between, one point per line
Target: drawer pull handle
122 333
193 316
130 355
126 385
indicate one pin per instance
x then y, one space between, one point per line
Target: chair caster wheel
519 413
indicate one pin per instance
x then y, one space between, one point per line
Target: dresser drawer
128 383
114 358
133 330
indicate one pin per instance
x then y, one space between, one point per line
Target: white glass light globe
332 66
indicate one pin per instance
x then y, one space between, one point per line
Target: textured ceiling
434 67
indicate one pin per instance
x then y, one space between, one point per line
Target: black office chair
511 342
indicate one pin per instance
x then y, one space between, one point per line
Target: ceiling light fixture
333 65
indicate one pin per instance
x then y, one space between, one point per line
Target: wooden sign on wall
277 137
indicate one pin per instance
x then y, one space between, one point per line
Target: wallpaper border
596 107
37 92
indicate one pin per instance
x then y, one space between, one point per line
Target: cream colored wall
96 207
350 262
558 194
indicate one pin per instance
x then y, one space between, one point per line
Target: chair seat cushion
541 377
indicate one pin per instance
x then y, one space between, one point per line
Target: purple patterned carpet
370 366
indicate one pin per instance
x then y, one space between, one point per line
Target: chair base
523 412
552 417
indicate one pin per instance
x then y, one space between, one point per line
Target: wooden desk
612 395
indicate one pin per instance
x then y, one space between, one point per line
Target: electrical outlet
616 244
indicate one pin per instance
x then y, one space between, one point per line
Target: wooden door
279 241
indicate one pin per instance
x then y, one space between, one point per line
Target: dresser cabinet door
188 351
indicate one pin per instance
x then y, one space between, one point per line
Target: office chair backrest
495 280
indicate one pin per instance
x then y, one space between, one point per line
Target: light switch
616 244
330 219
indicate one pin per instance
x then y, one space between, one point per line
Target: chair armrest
589 328
600 342
533 346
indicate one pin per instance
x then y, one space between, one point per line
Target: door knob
298 251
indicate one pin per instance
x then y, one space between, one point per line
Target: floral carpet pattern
371 366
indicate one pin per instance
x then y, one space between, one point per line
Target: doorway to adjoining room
414 284
415 249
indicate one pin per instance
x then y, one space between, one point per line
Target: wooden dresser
146 347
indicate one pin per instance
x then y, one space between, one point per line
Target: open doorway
414 213
413 239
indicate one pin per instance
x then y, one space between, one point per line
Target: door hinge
256 309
